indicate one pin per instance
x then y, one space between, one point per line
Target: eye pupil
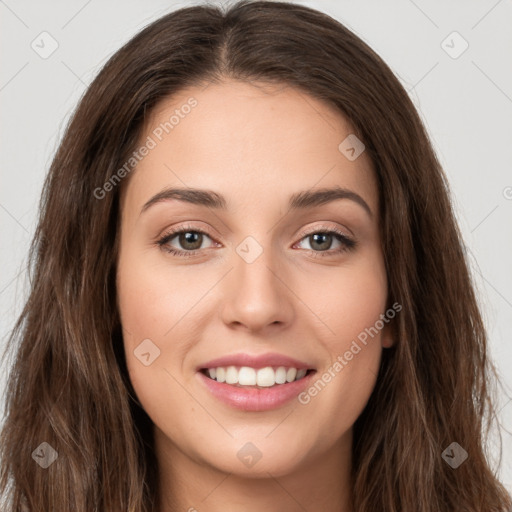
191 237
323 236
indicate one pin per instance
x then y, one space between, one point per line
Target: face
255 279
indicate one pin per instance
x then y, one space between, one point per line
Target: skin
256 146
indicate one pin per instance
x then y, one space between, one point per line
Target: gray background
465 102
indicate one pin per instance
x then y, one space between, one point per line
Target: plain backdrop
454 58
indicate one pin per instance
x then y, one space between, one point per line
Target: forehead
254 143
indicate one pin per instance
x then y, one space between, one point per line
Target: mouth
257 378
255 389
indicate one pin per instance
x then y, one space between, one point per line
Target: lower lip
256 399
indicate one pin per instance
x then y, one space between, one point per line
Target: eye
189 240
321 240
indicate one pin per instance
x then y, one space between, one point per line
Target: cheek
356 307
152 296
349 302
161 315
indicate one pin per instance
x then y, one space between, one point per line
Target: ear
388 336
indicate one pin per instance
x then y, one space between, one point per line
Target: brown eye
322 241
183 242
190 240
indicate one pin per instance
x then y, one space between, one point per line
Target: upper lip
256 361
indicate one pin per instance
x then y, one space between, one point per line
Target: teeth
263 377
247 376
231 375
220 374
300 373
281 375
266 377
291 374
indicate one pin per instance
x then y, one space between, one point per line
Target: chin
254 459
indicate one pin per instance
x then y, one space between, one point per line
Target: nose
256 295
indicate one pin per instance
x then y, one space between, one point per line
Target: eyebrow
298 201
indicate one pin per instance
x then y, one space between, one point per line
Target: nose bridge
255 296
253 263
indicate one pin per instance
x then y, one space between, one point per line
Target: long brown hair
68 384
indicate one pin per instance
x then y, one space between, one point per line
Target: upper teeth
247 376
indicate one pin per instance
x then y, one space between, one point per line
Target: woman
318 346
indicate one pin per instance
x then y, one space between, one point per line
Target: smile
256 377
267 392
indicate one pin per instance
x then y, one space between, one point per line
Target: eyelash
348 244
